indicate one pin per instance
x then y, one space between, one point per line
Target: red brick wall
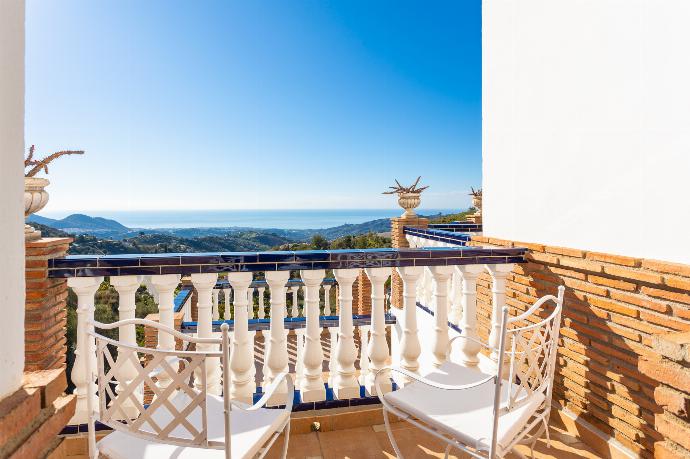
398 240
46 306
614 305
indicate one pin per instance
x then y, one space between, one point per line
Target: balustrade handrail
462 227
440 235
222 262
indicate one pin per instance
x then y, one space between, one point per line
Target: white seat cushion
464 414
250 430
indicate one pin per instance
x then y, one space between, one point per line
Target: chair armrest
481 343
272 388
437 385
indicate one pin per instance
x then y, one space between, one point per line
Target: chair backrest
177 414
531 345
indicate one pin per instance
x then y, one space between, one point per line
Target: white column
262 304
277 352
345 384
126 287
295 311
226 310
499 273
215 294
378 345
312 388
410 349
85 288
204 283
164 287
242 356
455 298
299 357
332 365
12 282
440 346
327 309
468 322
363 357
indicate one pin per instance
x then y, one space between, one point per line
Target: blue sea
283 219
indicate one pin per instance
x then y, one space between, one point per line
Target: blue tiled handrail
190 263
458 227
460 239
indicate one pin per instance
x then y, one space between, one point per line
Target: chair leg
390 435
286 433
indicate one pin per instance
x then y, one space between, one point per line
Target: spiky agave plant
35 166
399 189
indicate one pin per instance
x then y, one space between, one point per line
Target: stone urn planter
409 202
35 199
477 204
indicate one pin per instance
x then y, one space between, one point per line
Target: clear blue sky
255 104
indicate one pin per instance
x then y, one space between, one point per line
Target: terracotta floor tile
358 443
304 446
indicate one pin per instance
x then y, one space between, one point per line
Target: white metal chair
183 420
484 414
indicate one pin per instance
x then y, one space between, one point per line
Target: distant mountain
80 223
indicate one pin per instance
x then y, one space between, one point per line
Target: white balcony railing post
165 286
204 283
499 273
345 384
410 348
277 352
441 275
468 322
215 315
126 287
378 345
295 311
312 388
327 309
85 288
262 305
363 350
455 298
242 356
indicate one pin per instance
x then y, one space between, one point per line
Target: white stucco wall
11 195
586 124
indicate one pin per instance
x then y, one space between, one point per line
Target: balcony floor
372 442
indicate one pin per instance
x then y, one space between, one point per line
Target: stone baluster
499 273
455 298
126 287
85 289
363 357
378 345
441 275
276 361
327 308
165 286
345 384
468 322
299 357
215 293
312 388
410 348
295 310
262 303
204 283
242 356
226 310
332 365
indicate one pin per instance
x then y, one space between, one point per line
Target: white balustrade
299 357
204 283
242 385
126 287
378 345
363 350
295 310
345 384
165 286
469 350
441 275
312 388
276 360
499 273
262 304
228 302
410 349
85 288
455 293
327 310
215 294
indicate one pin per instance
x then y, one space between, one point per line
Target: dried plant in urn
476 200
35 195
409 197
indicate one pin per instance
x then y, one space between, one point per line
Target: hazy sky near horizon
254 105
